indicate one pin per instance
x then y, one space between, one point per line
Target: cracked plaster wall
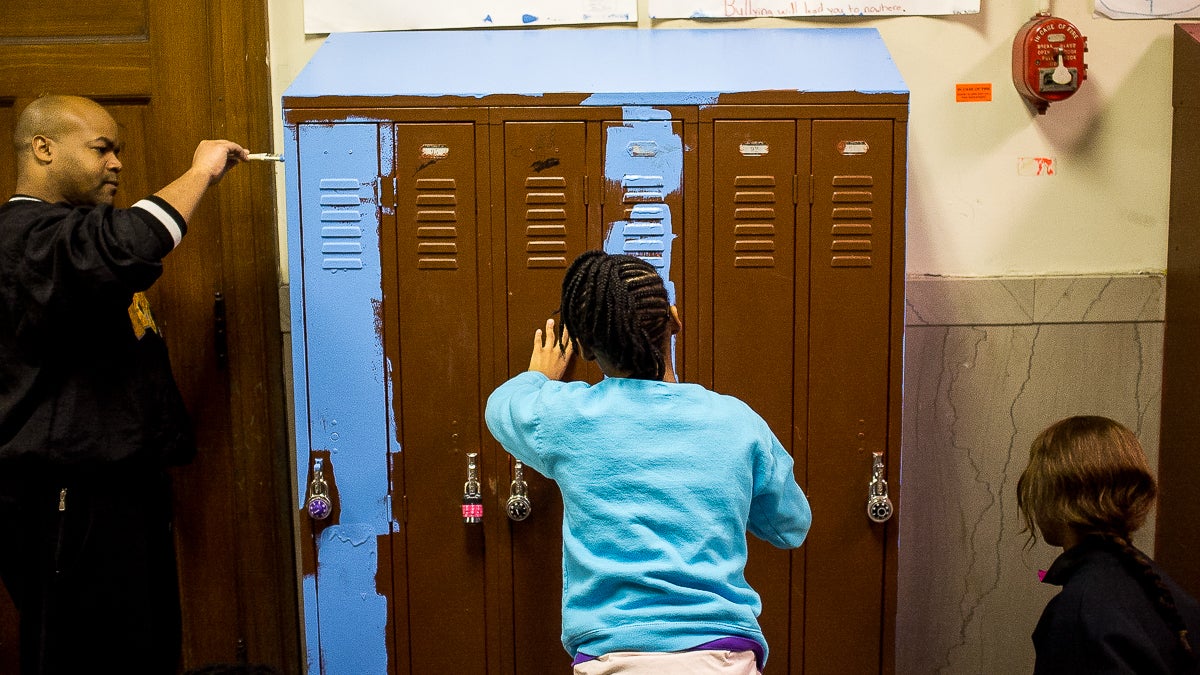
989 362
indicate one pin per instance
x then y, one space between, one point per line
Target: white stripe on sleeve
161 215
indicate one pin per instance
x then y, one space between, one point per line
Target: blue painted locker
432 211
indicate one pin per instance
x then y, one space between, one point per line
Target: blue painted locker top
642 66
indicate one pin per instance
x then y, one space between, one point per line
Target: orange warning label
973 93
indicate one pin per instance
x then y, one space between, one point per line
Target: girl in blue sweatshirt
660 482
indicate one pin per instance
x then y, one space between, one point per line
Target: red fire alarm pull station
1048 60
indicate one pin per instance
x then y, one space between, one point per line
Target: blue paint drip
528 18
630 113
488 19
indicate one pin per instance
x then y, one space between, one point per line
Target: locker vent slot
546 222
341 244
754 226
646 215
437 223
852 217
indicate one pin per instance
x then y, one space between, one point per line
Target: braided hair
617 306
1137 564
1089 475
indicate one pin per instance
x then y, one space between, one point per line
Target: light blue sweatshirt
660 482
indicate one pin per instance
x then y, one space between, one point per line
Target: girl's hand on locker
549 358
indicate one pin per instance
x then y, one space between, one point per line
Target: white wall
969 212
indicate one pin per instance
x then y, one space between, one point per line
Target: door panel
438 394
68 18
344 394
754 337
849 353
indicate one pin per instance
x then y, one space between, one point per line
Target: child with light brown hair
1086 489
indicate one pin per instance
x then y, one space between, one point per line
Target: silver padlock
518 505
472 499
319 504
879 506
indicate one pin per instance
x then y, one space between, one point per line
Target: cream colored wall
969 212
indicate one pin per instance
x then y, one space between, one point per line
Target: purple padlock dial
319 507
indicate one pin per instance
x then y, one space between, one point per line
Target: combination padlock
518 505
319 505
472 500
879 506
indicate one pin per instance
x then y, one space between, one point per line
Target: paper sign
1144 9
980 92
345 16
741 9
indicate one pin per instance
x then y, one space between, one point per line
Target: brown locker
850 356
544 228
431 319
759 285
776 216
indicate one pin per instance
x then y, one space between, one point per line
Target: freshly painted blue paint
347 411
291 172
613 66
352 616
630 113
646 159
312 633
340 385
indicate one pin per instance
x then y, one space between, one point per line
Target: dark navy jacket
1103 622
79 389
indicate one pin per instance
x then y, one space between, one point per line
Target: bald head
54 116
66 149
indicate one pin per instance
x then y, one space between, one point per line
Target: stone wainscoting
989 362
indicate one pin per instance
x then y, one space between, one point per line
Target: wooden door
164 69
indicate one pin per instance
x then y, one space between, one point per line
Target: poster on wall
1148 9
742 9
345 16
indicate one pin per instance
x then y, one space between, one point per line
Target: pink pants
702 662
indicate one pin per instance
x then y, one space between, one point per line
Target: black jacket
78 387
1103 622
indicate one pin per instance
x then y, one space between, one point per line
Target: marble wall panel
988 364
